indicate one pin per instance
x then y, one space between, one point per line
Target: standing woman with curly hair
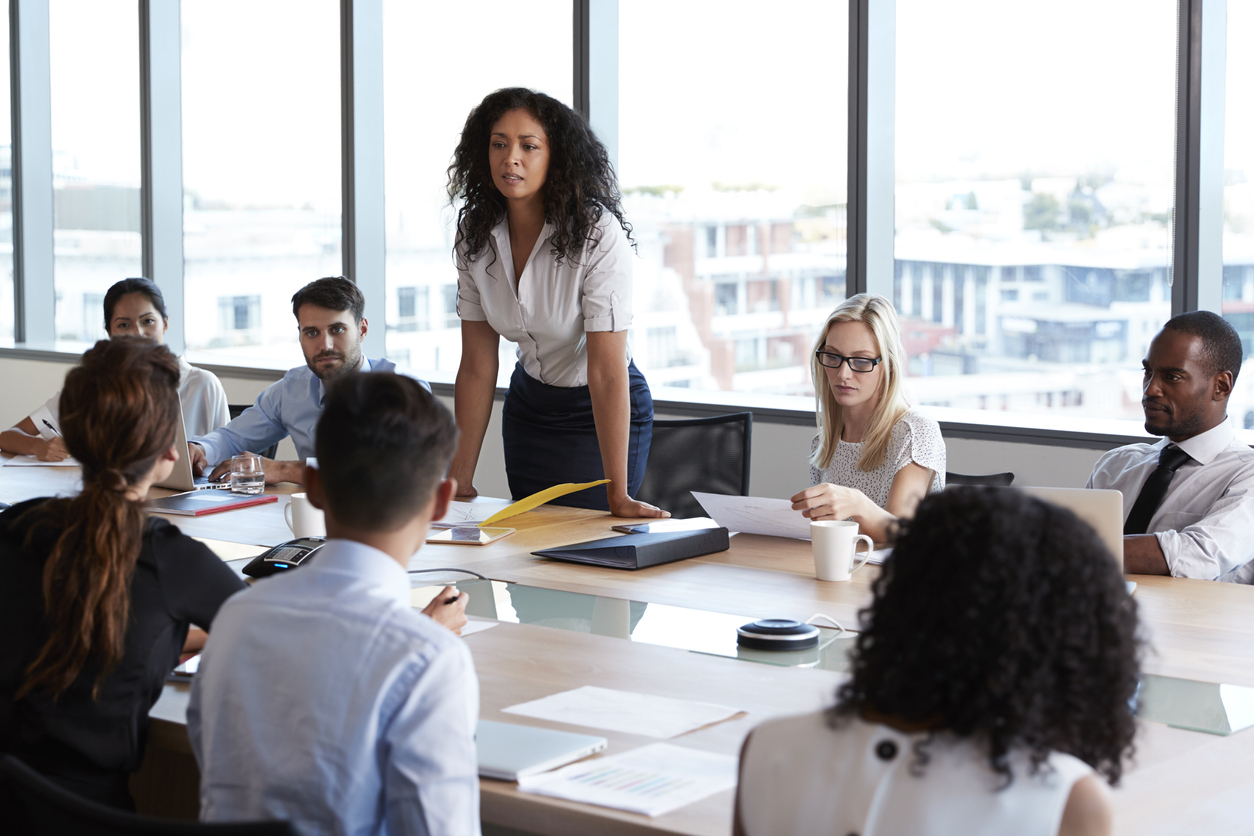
543 257
96 597
991 687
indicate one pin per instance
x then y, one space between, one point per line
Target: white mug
303 518
835 544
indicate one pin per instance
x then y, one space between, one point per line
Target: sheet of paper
473 627
653 780
31 461
624 711
755 515
539 498
877 557
469 513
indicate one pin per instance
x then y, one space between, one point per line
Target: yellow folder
538 499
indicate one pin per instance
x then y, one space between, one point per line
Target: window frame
1196 269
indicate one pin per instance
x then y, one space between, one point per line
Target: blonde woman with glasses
874 458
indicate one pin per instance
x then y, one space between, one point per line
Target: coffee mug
835 544
303 518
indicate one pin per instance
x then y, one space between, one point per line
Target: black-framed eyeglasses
858 364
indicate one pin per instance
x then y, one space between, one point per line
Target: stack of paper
652 780
755 515
624 711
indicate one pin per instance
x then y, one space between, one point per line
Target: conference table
556 626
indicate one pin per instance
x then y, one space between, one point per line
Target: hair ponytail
118 410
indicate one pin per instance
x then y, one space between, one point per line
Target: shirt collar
1204 447
367 564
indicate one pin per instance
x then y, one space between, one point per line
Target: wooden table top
1180 781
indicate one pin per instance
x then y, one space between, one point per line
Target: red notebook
199 503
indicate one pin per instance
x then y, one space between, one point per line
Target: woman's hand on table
449 614
629 508
465 491
53 450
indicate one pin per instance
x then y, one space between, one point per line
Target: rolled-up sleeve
1212 545
432 780
469 304
607 282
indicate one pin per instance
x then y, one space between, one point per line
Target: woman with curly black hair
991 687
543 258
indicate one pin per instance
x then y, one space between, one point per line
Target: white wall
778 467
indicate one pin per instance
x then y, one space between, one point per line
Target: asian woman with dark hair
991 689
96 597
132 308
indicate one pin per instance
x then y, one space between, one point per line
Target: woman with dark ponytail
96 598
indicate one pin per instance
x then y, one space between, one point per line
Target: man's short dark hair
1221 346
335 293
384 444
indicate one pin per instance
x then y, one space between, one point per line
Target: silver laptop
1103 510
509 752
180 478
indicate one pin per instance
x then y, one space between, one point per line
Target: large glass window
1034 165
733 162
95 157
261 170
424 45
6 189
1238 235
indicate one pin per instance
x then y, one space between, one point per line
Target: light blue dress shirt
324 698
290 406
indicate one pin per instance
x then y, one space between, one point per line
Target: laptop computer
181 478
1103 510
508 751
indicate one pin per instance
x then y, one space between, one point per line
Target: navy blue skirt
550 438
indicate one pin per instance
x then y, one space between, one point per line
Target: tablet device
509 752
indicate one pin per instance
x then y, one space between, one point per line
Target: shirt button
886 750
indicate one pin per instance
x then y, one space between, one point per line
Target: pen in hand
48 424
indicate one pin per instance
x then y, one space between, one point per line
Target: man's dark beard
1186 427
351 361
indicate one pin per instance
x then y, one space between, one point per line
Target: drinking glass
248 476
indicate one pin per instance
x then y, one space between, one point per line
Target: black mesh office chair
992 480
235 409
31 804
702 454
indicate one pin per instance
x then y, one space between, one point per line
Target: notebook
509 752
636 551
199 503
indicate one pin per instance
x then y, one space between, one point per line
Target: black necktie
1154 489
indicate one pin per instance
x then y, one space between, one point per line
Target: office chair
235 409
702 454
32 804
4 505
992 480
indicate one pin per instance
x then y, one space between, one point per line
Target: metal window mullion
595 62
34 289
161 151
872 149
362 172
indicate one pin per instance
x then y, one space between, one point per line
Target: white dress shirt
1205 522
555 304
201 393
324 698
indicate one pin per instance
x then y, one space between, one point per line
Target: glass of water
247 474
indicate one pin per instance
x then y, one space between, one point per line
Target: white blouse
916 438
556 304
800 777
201 393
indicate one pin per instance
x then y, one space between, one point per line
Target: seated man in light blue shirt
323 698
330 315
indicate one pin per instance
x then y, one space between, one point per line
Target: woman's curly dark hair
1004 618
580 184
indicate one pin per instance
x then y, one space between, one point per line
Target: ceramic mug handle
866 555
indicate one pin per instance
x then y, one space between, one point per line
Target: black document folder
636 551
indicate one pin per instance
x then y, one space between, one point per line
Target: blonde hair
876 313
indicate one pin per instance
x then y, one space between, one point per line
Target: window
239 313
1238 197
6 189
411 309
94 49
261 170
423 117
732 160
1033 236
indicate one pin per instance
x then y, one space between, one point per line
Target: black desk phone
284 556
